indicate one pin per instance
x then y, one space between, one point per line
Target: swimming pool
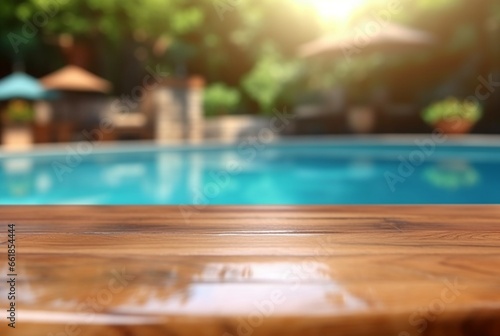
319 171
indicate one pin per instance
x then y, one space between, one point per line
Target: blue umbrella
21 86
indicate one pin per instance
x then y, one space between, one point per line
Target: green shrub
220 99
19 111
451 109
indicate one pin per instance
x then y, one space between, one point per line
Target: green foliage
19 112
452 108
221 99
111 17
251 46
269 78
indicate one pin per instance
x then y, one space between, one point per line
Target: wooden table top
248 271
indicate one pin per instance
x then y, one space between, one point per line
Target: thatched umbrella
74 78
81 102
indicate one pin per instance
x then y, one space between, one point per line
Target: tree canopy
242 46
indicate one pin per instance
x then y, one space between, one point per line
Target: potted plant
453 116
18 121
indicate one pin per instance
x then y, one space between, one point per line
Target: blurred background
106 70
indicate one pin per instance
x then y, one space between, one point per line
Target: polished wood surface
242 271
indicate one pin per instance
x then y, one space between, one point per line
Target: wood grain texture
249 271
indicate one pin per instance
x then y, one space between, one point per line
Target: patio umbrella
387 38
74 78
21 86
370 38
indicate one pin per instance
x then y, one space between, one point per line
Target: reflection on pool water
308 172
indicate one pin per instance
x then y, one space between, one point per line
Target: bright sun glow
340 11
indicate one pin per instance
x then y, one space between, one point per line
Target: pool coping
396 140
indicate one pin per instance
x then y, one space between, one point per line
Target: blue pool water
307 172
